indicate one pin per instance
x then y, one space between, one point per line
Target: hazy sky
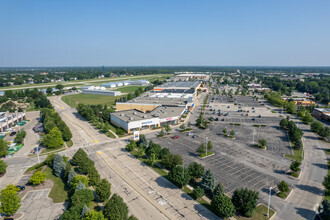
164 32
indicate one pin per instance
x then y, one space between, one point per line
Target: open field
74 100
87 82
127 89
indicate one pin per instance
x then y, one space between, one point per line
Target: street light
38 154
270 193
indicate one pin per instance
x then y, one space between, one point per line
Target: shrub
295 166
37 178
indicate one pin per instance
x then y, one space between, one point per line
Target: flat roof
159 112
179 84
323 109
148 99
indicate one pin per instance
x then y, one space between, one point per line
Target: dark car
194 136
21 188
216 119
13 133
259 116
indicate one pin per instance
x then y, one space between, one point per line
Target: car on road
176 137
190 133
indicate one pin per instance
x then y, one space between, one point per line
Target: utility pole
254 130
206 145
38 154
270 193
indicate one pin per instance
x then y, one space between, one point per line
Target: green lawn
58 192
259 214
128 89
89 99
296 154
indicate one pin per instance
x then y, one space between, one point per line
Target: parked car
176 137
253 119
194 136
216 119
21 188
259 116
190 133
13 133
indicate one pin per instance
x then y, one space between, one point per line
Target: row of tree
20 137
79 180
56 130
244 200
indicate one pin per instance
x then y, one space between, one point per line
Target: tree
94 215
49 90
198 192
140 152
179 175
208 181
103 190
171 160
316 126
59 165
218 190
65 130
295 166
245 201
153 149
3 148
162 132
59 87
325 132
10 201
131 145
201 149
165 151
80 186
37 178
132 217
196 170
74 213
326 182
3 166
224 131
307 118
153 159
79 178
324 208
223 206
79 157
209 145
262 142
116 208
143 140
284 123
232 133
189 124
71 175
53 139
94 176
83 196
167 128
283 186
84 211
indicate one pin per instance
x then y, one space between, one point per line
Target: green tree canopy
103 190
245 201
3 166
179 176
37 178
223 206
208 181
53 139
171 160
116 208
196 170
83 196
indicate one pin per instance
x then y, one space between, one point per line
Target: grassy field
88 81
296 154
74 100
58 192
128 89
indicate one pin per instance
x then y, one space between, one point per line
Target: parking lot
237 162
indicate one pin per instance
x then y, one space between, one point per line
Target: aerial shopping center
164 105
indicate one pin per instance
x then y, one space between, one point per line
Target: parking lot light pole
38 155
270 192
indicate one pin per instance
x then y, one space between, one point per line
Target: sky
164 33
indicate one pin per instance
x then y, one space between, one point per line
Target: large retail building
156 108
